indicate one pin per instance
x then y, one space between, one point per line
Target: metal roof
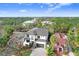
38 31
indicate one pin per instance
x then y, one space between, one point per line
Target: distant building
46 22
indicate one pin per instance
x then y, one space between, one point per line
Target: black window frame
27 35
27 40
38 36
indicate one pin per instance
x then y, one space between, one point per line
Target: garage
40 45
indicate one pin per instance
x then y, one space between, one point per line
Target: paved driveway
38 52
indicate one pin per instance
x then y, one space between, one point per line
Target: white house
46 22
37 36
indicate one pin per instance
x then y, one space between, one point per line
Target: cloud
20 3
23 10
41 6
56 6
51 4
28 4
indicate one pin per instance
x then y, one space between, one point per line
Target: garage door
40 45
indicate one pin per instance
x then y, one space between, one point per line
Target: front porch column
44 45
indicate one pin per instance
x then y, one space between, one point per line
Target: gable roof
38 31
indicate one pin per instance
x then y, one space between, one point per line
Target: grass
76 51
1 49
23 52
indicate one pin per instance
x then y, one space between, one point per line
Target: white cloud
41 6
23 10
50 9
51 4
19 3
28 4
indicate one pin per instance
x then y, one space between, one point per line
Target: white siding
24 43
32 37
43 37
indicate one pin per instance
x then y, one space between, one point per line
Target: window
38 36
27 40
36 39
27 35
60 49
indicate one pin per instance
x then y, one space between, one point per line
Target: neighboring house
61 38
46 22
58 49
37 36
29 22
61 43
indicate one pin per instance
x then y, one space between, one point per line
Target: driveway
38 52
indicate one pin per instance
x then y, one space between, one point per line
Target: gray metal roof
41 40
38 31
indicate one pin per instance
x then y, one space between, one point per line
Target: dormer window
27 35
27 40
38 36
36 39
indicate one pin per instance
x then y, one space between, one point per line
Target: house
58 49
47 22
61 38
61 43
37 36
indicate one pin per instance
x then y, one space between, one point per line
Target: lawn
1 49
23 52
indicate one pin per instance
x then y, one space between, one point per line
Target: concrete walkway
38 52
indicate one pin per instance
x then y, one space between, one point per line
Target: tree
38 23
52 40
8 30
50 49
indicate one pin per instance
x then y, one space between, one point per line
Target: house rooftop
41 40
38 31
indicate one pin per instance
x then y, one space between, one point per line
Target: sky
39 9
